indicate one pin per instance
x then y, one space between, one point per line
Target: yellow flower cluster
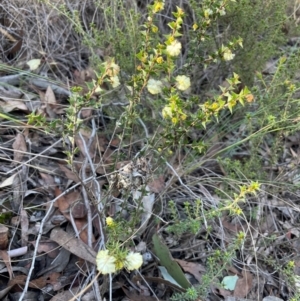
174 49
228 55
160 60
154 86
195 26
115 82
112 70
110 262
182 82
158 6
107 264
109 221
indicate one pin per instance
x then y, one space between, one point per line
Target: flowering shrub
156 74
162 79
116 257
157 77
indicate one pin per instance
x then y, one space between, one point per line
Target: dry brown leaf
159 281
83 233
53 278
133 296
121 164
18 194
65 295
50 96
107 157
243 285
61 261
24 227
157 185
9 181
97 220
39 283
233 270
41 94
47 246
193 268
3 237
223 292
95 147
19 147
235 228
58 218
72 204
86 112
48 180
64 202
147 200
115 142
80 144
69 174
78 210
79 78
90 296
13 105
50 105
144 290
100 169
5 291
74 245
6 259
85 75
56 279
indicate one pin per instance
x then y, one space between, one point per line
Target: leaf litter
55 234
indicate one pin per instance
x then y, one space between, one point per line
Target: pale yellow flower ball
222 11
160 60
158 6
228 55
133 261
174 48
195 26
182 82
105 262
113 68
154 86
109 221
167 112
115 82
208 12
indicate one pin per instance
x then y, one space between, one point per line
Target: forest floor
54 206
